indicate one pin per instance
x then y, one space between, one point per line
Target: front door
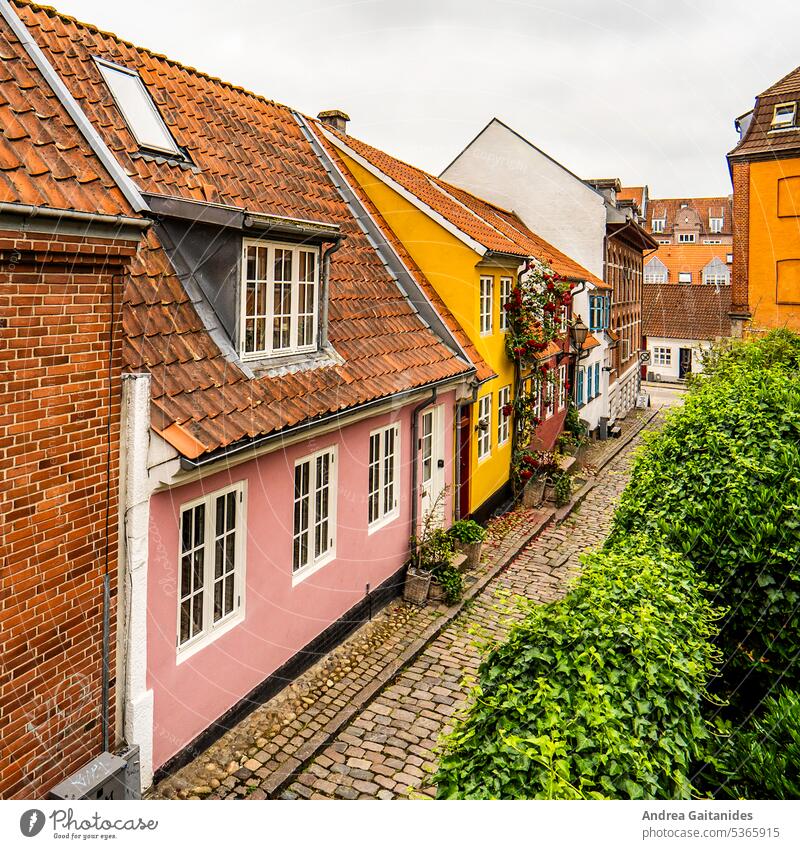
432 463
685 363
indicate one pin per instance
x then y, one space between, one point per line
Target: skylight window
137 107
784 115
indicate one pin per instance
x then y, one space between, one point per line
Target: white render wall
672 371
504 168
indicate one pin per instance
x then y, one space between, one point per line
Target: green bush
595 696
467 531
563 489
451 582
763 761
720 484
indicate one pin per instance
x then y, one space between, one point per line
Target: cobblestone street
387 747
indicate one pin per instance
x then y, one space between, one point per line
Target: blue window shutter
580 389
588 384
607 311
597 379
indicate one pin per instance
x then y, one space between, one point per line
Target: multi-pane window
384 461
579 389
503 418
662 356
486 298
687 237
655 271
715 225
314 537
211 563
563 323
657 225
506 285
484 426
279 304
549 398
598 312
715 273
783 115
562 387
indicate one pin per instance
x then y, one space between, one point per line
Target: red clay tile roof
44 159
692 258
633 193
251 153
489 225
705 208
685 312
590 342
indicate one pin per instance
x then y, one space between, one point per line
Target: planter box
533 492
436 593
471 552
417 586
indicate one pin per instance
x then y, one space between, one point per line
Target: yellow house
765 171
470 251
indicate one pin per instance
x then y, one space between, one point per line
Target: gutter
62 93
28 211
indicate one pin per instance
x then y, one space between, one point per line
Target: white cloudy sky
646 91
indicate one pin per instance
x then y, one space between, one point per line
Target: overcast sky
644 91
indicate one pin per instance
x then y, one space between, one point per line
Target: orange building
765 170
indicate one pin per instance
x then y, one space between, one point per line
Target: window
687 238
729 258
549 398
211 565
314 541
279 307
783 116
579 390
655 271
712 241
662 356
664 242
563 324
715 225
384 475
487 290
597 312
137 108
536 391
485 426
562 387
503 419
684 277
506 285
658 224
588 372
715 273
596 379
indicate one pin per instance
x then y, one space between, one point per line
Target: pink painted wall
279 619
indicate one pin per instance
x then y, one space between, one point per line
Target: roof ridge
53 12
785 77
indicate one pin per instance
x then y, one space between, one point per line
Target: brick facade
740 174
624 273
60 348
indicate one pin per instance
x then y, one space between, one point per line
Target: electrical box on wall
106 777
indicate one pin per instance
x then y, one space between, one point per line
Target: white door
432 463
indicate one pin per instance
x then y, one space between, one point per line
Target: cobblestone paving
389 751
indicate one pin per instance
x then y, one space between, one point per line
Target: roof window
783 115
137 108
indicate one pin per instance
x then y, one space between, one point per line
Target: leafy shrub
720 484
451 582
763 761
563 489
595 696
467 531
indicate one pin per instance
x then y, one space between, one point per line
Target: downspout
322 332
415 468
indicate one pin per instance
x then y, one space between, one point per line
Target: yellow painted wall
774 247
450 266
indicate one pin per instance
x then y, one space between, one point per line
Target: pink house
288 408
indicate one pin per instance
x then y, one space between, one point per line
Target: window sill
381 523
301 574
200 642
484 458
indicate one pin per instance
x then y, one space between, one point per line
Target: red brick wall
55 321
740 174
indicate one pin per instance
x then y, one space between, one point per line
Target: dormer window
280 299
658 225
715 225
783 116
137 108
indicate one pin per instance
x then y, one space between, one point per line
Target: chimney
335 119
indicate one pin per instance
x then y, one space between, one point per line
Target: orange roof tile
633 193
250 153
691 258
705 208
494 228
590 342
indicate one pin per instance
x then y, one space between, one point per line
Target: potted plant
563 489
431 550
468 536
532 470
434 557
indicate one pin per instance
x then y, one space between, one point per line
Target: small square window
686 238
685 277
783 115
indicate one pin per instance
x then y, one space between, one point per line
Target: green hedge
721 485
594 696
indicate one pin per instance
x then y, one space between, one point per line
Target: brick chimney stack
336 119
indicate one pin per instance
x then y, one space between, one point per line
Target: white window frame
384 515
786 123
662 356
716 224
562 387
315 562
563 324
503 421
485 433
549 399
506 286
687 238
716 274
712 241
111 72
485 306
268 316
212 630
684 277
657 225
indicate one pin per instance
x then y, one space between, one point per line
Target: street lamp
579 333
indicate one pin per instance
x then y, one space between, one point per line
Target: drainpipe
322 333
415 466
